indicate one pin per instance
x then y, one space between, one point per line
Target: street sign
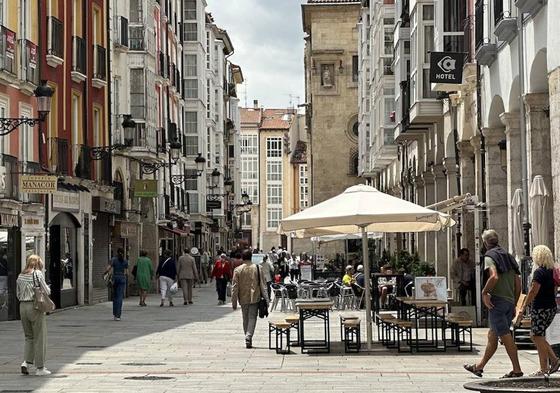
145 188
38 184
446 67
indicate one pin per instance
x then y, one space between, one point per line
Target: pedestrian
167 274
463 275
34 322
542 298
187 274
144 276
247 289
119 268
268 270
222 274
204 266
500 296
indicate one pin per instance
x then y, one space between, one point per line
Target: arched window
355 129
353 163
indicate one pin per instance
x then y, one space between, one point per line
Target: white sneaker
42 371
25 368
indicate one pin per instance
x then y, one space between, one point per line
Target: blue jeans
119 284
500 317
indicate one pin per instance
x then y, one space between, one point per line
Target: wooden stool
403 327
460 326
281 330
352 339
342 320
293 320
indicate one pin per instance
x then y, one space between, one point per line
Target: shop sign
128 229
32 223
105 205
66 201
211 205
10 44
32 55
145 188
38 184
9 220
446 67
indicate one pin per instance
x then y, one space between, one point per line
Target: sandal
472 369
512 374
538 373
554 367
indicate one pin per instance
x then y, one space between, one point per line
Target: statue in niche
327 72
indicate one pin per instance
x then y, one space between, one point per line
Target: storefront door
10 268
63 261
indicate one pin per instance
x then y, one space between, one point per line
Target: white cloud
268 39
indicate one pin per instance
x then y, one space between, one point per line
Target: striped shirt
24 290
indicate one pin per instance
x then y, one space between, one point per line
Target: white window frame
273 217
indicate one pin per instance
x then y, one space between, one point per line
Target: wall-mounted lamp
503 154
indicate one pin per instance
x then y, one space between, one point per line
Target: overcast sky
268 39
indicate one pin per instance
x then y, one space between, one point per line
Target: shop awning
176 231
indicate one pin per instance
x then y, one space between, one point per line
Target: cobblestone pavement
200 348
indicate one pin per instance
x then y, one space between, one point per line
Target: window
26 139
249 144
388 21
388 47
136 11
193 202
190 65
407 47
274 170
191 122
274 147
137 93
273 217
355 68
249 168
303 187
454 15
191 32
191 88
136 37
428 12
191 183
76 127
191 145
428 42
246 219
251 189
190 9
427 87
356 129
274 194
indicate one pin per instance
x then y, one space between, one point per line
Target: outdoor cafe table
433 313
314 308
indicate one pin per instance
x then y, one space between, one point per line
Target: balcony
99 67
58 156
142 141
79 69
505 26
121 42
7 53
136 38
82 168
529 6
55 41
486 51
29 68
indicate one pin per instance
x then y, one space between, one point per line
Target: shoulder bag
263 305
42 302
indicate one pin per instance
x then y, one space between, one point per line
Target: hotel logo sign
446 67
38 184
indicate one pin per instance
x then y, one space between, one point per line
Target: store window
4 297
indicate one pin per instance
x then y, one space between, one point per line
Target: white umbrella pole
365 252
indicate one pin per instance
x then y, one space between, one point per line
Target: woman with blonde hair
542 298
34 321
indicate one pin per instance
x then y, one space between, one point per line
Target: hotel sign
38 184
446 67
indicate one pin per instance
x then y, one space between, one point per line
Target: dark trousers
463 292
119 284
221 288
293 274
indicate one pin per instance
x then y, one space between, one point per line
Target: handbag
263 305
173 289
41 302
108 278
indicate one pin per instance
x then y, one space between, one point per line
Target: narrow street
200 348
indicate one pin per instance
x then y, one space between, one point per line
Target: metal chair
280 294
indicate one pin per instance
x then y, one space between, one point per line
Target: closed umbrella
538 201
516 214
369 210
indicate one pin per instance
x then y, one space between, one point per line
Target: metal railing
83 166
56 34
7 50
79 54
479 23
100 65
58 155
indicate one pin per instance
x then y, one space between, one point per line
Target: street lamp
199 160
228 185
43 93
215 178
174 151
102 152
174 154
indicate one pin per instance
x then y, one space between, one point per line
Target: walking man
204 266
187 273
167 274
247 288
500 296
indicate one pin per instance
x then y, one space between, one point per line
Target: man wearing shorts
500 296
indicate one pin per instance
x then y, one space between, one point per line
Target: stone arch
514 92
450 146
496 109
352 127
538 76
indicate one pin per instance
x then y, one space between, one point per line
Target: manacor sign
38 184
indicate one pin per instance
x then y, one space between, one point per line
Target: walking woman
34 321
542 298
144 276
167 275
119 267
222 274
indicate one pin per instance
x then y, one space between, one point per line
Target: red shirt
221 269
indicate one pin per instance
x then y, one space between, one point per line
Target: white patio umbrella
355 236
538 200
365 208
516 213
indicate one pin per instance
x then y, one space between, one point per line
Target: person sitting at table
385 286
348 278
359 277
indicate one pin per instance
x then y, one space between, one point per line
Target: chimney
255 104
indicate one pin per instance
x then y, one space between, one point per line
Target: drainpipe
522 121
454 111
109 102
